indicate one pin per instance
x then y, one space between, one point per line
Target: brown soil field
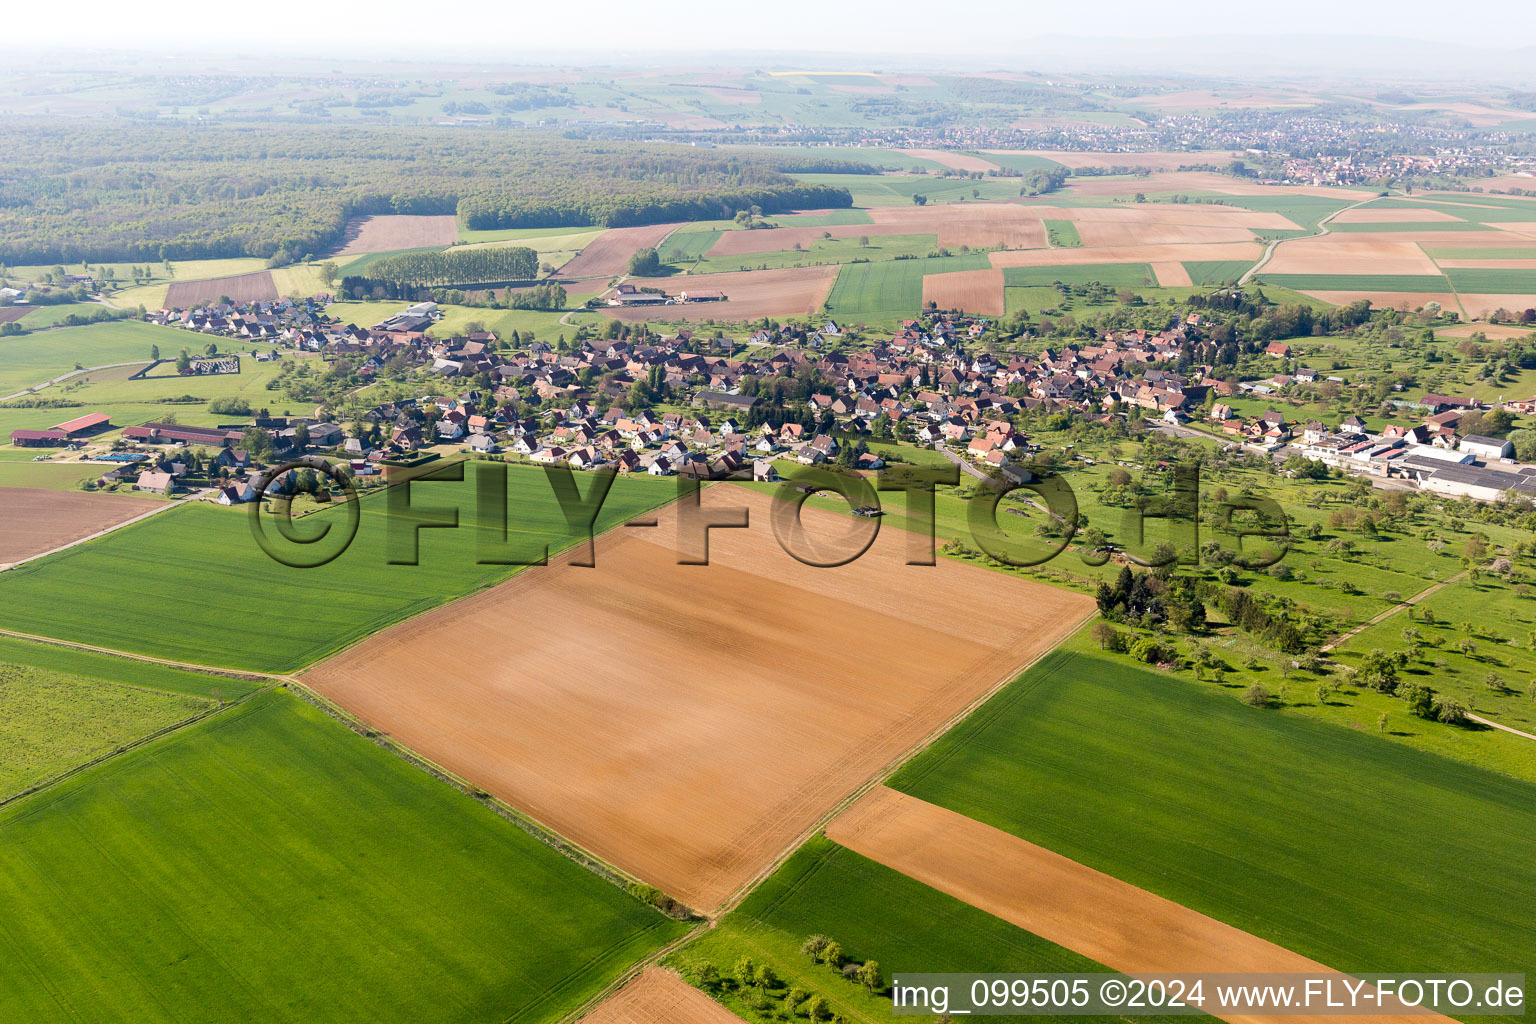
749 294
659 996
397 231
610 254
9 314
974 291
1101 232
1171 275
38 520
1479 307
1127 254
1123 927
982 225
952 160
1525 229
241 288
1350 254
741 243
1207 181
688 723
1365 215
1509 181
1406 301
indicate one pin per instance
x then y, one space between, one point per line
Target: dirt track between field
657 996
1115 923
689 724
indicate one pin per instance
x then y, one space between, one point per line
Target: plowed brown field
658 996
974 291
610 254
793 291
398 231
257 287
37 520
690 723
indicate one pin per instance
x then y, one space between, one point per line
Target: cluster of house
277 320
630 295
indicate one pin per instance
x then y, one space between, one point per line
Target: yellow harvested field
1123 927
1213 251
1366 215
691 723
1171 275
972 291
659 996
952 160
1350 254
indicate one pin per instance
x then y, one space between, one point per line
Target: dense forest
106 191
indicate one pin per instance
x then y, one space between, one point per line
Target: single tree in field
1103 632
814 946
1381 723
764 978
744 970
870 977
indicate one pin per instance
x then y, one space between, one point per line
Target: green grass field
1114 275
1021 161
891 288
1358 282
268 864
1328 842
688 246
875 913
898 189
193 585
31 359
829 219
52 721
126 671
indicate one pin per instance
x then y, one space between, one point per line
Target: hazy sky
519 31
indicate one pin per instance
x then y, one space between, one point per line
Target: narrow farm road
1427 592
1322 229
1495 725
167 662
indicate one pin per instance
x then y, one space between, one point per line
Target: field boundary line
35 388
1322 229
612 988
894 765
207 670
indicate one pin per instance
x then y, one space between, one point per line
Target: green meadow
1492 281
1325 841
826 250
193 585
268 864
52 721
30 359
1208 272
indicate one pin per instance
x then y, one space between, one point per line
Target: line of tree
457 266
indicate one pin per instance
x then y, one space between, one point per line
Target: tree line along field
199 568
268 864
1334 843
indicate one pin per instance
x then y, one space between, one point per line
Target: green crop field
1492 281
268 864
1021 161
52 316
52 721
193 585
891 288
1114 275
1062 233
874 913
1205 272
1306 212
688 246
1328 842
1359 282
898 189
